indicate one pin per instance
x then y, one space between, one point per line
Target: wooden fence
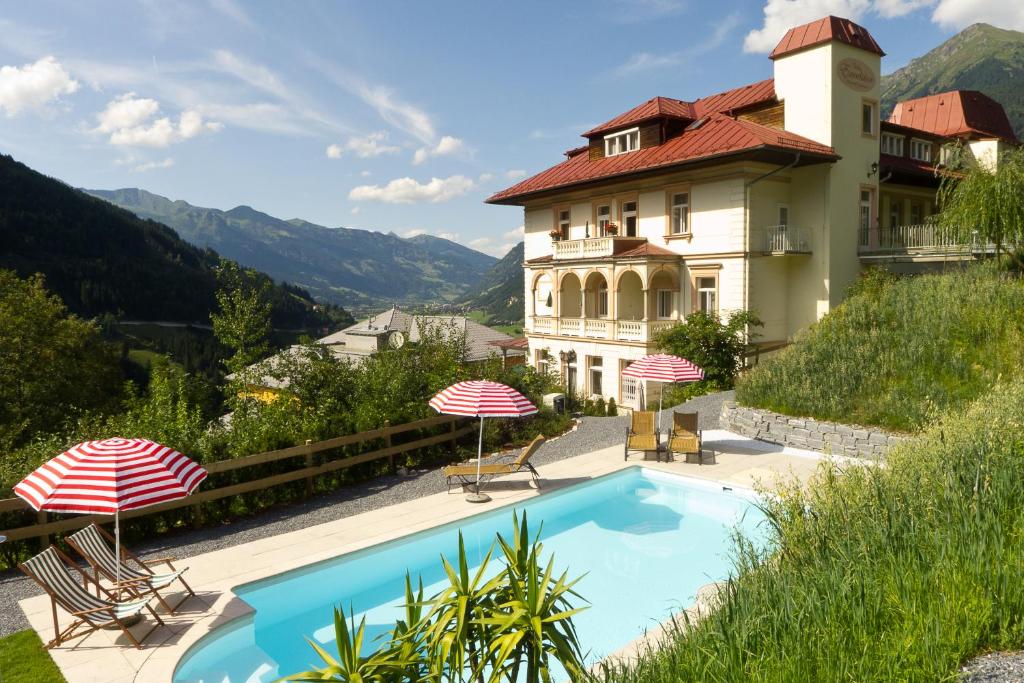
43 527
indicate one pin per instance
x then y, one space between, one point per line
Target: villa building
770 197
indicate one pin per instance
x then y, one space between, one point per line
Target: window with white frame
596 375
620 143
915 213
783 215
892 144
921 150
707 294
666 304
866 205
541 361
868 118
629 217
563 223
604 217
948 155
602 300
680 213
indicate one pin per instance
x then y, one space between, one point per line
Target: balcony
924 240
599 328
786 239
594 247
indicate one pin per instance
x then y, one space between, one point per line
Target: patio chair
466 474
686 437
52 570
641 435
96 545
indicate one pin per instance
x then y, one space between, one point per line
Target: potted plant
611 229
555 235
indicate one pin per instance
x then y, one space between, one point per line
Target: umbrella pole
477 496
117 552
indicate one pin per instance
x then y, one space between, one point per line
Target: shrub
878 574
588 407
613 410
716 346
599 408
899 351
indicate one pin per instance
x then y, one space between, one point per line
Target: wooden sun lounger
686 437
96 545
52 570
466 474
641 435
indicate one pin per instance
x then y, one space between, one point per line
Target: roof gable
824 31
961 113
654 108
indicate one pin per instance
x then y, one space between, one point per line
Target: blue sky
389 116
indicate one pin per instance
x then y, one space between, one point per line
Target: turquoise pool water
646 541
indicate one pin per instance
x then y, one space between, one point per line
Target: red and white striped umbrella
661 367
481 398
108 476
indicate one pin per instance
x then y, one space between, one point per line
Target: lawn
23 660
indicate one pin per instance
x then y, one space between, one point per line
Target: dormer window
892 144
622 142
921 150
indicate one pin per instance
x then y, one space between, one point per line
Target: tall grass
879 574
896 353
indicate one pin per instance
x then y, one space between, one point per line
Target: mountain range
981 57
500 291
104 260
342 265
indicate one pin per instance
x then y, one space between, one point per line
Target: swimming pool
645 539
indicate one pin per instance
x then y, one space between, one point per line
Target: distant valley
358 268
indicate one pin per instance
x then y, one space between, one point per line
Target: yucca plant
507 627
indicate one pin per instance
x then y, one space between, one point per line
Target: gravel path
995 667
594 433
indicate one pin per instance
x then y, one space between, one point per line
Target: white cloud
33 86
447 145
150 165
233 11
128 120
644 61
409 190
515 173
898 8
498 246
265 117
782 15
365 174
958 14
515 234
400 114
413 232
485 177
452 236
364 147
355 210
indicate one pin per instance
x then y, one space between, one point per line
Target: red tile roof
825 31
654 108
646 249
718 135
966 113
738 98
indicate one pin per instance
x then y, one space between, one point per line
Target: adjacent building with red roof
768 197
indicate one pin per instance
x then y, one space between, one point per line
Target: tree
716 346
243 323
54 366
983 200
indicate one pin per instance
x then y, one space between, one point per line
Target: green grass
898 573
897 354
23 660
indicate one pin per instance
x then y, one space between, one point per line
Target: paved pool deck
106 656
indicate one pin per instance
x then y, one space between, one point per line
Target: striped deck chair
52 570
96 546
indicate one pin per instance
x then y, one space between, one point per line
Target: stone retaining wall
806 433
